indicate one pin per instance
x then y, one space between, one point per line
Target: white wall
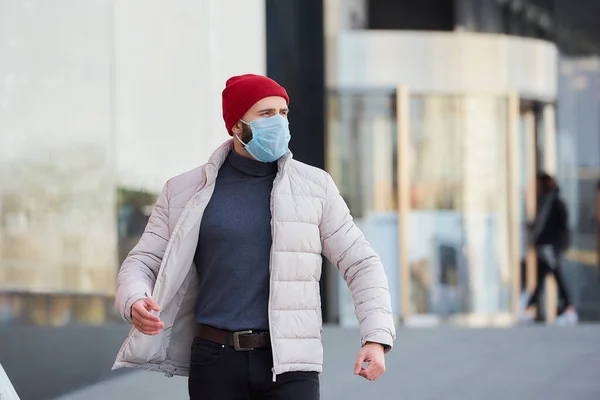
98 94
340 15
57 192
439 62
171 66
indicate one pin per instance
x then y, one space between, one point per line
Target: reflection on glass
362 154
458 244
578 124
458 223
362 150
526 129
55 309
24 301
134 208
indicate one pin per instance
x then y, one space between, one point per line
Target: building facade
100 103
432 116
440 114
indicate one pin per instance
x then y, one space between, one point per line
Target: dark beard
246 134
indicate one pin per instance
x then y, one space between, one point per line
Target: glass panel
529 162
522 182
57 194
362 150
361 157
578 144
134 209
540 138
458 245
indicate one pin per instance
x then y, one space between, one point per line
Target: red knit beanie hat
242 92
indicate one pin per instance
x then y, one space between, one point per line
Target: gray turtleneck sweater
233 252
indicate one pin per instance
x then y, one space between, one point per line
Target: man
224 283
550 235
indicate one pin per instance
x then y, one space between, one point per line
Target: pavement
517 363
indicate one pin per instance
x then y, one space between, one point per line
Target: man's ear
237 128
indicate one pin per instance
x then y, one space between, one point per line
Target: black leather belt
240 341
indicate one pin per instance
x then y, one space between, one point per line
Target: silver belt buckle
236 341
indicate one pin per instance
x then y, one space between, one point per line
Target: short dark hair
546 180
543 176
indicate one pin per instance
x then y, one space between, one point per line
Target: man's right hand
143 320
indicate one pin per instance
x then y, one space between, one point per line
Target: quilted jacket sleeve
346 247
139 270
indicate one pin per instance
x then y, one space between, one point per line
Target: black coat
551 225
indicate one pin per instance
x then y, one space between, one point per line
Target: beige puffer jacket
309 218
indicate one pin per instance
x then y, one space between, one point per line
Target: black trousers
220 372
549 263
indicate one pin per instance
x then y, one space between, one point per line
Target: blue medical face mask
270 138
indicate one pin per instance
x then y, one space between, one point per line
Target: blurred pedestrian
224 282
550 236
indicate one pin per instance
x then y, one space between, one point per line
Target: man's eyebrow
272 110
266 110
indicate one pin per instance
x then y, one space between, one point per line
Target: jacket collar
218 157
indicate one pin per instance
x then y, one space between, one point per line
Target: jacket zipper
275 182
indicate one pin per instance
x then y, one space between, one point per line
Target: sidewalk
526 363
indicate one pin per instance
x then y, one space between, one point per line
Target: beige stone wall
59 224
96 96
57 185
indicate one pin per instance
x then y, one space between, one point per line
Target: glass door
442 186
362 158
527 183
537 135
455 194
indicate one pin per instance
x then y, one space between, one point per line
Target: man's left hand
371 353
